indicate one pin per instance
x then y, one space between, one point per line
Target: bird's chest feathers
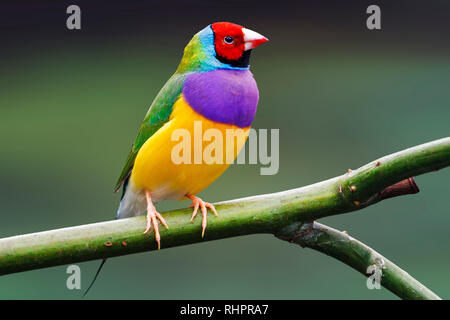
223 96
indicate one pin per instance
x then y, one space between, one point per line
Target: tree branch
357 255
269 213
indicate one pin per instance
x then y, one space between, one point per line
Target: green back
194 59
157 115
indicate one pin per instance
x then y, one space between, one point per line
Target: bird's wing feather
157 115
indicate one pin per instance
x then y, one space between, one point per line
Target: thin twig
359 256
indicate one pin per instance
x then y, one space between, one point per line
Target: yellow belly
170 168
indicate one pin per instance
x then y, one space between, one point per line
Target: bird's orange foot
199 203
152 216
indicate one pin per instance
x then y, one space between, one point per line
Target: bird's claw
199 203
152 219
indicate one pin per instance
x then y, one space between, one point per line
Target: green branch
378 180
359 256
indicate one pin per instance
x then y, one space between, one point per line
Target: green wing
157 115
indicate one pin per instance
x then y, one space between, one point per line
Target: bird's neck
199 56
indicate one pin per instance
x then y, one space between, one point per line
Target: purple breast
225 96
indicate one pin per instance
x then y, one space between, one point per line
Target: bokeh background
341 95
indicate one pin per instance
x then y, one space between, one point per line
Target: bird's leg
196 203
152 215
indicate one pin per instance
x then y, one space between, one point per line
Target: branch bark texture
359 256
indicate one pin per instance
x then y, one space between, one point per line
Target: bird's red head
233 43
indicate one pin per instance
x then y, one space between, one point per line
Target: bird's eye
228 39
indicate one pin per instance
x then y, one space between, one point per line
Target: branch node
404 187
293 232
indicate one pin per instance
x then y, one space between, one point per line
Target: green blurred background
341 95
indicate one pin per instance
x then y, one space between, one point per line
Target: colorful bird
212 86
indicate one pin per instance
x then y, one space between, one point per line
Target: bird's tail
95 277
131 204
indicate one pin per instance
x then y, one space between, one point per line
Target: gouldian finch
213 87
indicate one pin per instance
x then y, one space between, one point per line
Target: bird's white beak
252 39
